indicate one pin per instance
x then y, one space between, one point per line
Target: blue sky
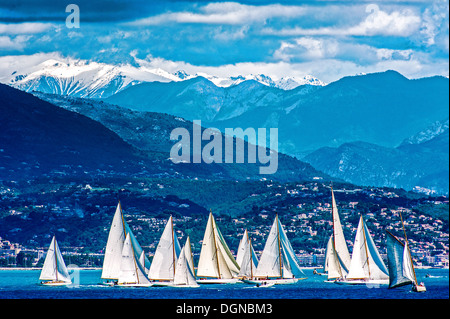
327 39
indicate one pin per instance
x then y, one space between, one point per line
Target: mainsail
167 252
189 255
400 267
131 271
337 260
249 260
183 273
216 260
114 246
366 262
278 259
54 268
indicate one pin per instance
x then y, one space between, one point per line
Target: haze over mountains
377 129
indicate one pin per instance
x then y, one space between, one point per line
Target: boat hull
183 286
217 281
55 283
133 285
362 282
419 288
161 283
281 281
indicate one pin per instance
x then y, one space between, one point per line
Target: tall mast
365 244
215 245
55 256
251 257
123 220
333 200
409 251
279 247
173 247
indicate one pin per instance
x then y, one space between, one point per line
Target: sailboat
248 261
54 272
189 255
216 264
337 257
366 266
114 247
163 266
184 274
400 263
131 272
278 262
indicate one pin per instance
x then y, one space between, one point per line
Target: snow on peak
82 78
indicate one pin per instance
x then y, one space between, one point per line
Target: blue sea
24 284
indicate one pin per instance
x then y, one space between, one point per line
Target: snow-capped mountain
285 83
82 78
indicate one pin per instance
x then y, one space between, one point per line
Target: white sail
340 244
270 261
54 268
291 267
131 272
408 270
189 255
167 252
142 259
216 260
278 259
114 246
334 265
241 248
337 258
366 262
249 261
183 273
138 251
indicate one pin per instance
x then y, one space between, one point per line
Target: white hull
282 281
419 288
161 283
183 286
362 282
133 285
217 281
55 283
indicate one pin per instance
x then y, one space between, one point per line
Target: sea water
24 284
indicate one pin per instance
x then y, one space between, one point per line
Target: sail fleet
126 264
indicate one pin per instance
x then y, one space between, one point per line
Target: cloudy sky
327 39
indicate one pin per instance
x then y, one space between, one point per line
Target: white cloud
377 22
320 48
327 69
223 35
230 13
13 43
435 25
24 28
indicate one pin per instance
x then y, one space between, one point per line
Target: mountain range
422 166
380 108
377 129
81 78
40 138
